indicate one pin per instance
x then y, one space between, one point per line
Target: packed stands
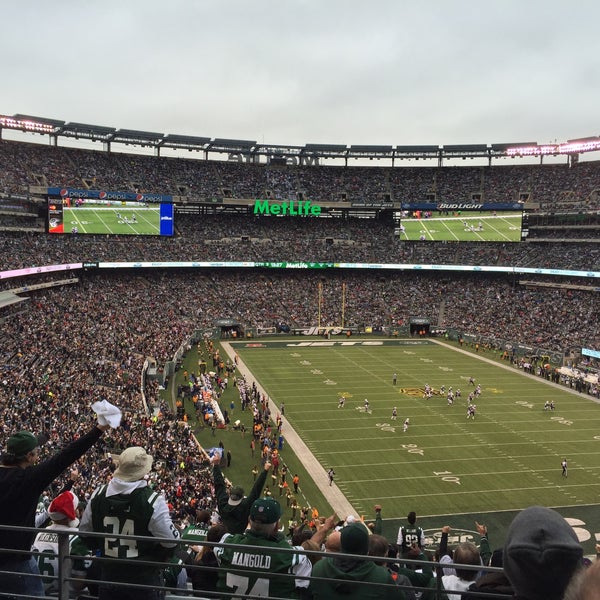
90 340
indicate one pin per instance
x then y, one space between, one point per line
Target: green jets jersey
127 514
249 573
411 535
195 533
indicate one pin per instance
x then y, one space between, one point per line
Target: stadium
125 276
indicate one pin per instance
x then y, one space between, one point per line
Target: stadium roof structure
275 150
505 147
366 151
465 148
227 145
138 138
86 131
404 152
308 154
423 149
187 142
337 148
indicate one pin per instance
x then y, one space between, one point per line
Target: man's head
412 517
216 532
466 553
22 447
355 539
236 495
301 534
264 515
133 464
541 554
378 545
203 516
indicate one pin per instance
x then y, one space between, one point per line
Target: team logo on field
412 391
433 537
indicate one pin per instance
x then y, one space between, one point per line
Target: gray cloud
298 71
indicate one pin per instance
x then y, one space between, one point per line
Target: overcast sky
309 71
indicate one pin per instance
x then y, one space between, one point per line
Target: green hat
236 495
355 539
21 443
265 510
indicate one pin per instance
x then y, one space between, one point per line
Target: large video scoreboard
72 211
462 222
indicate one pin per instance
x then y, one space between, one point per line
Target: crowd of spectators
73 344
551 185
178 301
209 239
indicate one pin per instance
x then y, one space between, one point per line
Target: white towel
108 414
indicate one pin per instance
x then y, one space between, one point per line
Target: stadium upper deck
30 168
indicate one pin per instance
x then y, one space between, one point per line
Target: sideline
510 367
338 502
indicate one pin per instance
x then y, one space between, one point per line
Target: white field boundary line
337 500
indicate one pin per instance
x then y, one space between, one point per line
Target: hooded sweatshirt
353 579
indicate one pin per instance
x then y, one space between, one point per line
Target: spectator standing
491 582
204 572
63 513
250 572
541 554
127 505
380 547
234 507
410 536
22 481
353 577
456 579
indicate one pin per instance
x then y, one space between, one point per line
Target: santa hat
64 506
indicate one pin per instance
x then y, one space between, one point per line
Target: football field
467 226
444 465
113 220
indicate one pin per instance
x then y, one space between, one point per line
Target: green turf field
445 467
468 226
115 220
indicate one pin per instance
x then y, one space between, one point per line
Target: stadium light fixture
555 149
10 123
